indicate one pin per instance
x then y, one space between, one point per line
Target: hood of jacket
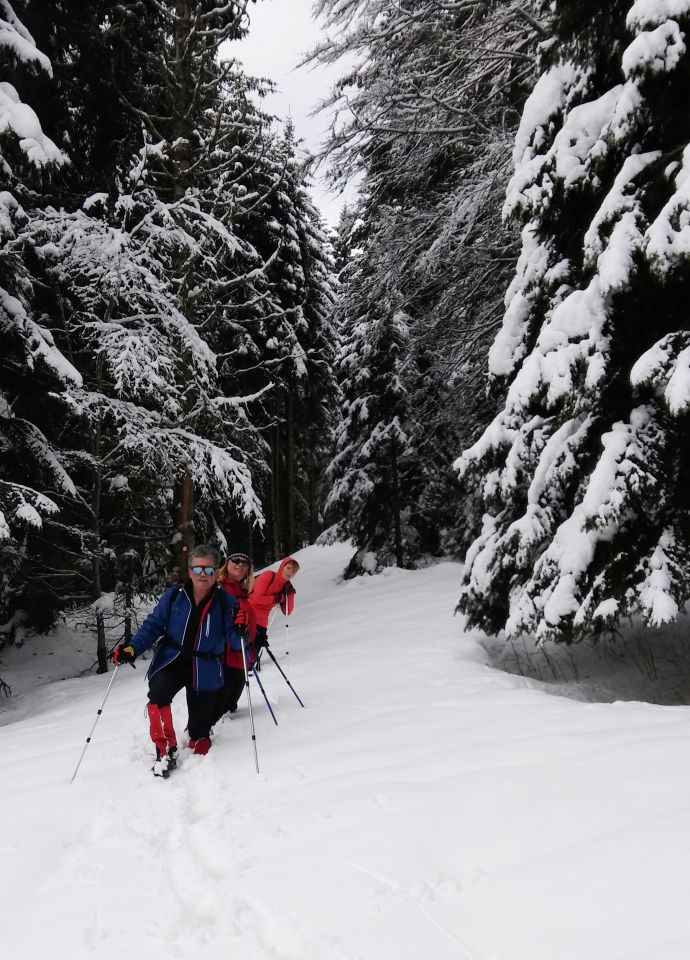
283 564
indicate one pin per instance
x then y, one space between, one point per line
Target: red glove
241 619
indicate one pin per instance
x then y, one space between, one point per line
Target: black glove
124 653
261 642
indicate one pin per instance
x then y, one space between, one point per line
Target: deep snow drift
423 804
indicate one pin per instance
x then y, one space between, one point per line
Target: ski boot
165 763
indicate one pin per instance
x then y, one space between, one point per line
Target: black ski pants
229 694
201 704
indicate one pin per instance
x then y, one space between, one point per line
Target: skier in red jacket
236 577
272 588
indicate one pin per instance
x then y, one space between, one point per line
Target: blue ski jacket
167 623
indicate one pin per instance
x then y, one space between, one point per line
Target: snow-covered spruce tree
376 478
584 472
244 317
251 281
297 345
427 113
31 366
121 269
164 111
188 194
191 132
101 56
74 558
130 429
316 398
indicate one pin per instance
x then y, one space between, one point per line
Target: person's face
203 580
237 568
289 570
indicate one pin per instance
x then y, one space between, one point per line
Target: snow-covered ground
424 804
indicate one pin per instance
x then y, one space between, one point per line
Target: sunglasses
207 570
239 560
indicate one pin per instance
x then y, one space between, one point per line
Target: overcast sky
281 32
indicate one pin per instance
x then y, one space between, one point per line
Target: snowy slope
422 805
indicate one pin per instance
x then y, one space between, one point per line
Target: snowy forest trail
422 804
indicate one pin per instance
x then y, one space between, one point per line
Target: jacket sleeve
155 625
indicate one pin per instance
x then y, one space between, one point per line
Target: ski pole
249 699
268 651
100 711
256 677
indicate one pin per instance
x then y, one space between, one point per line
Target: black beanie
242 554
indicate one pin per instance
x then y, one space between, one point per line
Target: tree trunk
397 529
129 597
184 522
101 645
180 135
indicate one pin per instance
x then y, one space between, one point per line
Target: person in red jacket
236 577
272 588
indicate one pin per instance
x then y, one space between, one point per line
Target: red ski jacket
233 651
269 589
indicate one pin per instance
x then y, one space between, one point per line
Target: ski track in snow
423 804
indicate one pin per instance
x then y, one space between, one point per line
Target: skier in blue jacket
192 622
